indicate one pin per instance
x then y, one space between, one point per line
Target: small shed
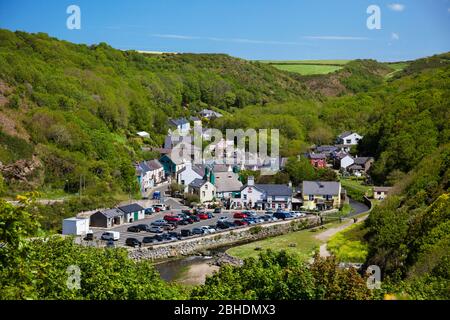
75 226
132 212
143 134
107 218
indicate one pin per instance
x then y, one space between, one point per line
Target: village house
196 121
209 114
189 173
172 165
321 195
326 150
317 160
360 166
149 174
348 138
264 196
204 189
132 212
227 184
346 161
380 193
182 125
107 218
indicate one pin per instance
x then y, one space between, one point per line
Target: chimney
290 184
250 181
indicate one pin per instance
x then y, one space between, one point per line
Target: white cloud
395 36
396 7
234 40
335 38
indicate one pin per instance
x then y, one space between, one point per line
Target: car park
217 210
114 235
132 242
133 229
159 222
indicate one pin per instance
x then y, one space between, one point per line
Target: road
358 207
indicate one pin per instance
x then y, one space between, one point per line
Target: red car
239 215
240 222
170 217
203 216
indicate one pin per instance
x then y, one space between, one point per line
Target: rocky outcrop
21 170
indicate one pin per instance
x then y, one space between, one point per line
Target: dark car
282 215
159 222
133 229
195 218
89 237
187 212
143 227
174 234
159 237
197 231
217 210
132 242
183 222
185 232
148 240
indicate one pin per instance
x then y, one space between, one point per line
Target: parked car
159 207
175 234
156 195
282 215
239 215
197 231
185 232
169 226
268 217
143 227
195 218
149 210
156 229
149 240
89 236
240 222
159 222
249 220
183 222
133 229
217 210
224 218
187 211
114 235
208 229
159 237
132 242
110 243
203 216
171 217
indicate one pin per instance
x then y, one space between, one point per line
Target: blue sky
251 29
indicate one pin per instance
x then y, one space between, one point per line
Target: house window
311 197
206 186
245 197
182 182
328 197
203 193
348 141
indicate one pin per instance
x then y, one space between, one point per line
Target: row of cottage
338 156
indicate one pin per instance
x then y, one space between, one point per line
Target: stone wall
224 238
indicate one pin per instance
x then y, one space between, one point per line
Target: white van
111 235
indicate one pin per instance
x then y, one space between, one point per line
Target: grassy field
308 67
303 243
356 189
397 66
349 245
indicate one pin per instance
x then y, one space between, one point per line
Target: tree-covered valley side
69 111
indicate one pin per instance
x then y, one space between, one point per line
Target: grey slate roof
317 156
362 160
344 134
326 149
197 183
178 122
227 182
154 164
111 213
131 208
320 187
275 189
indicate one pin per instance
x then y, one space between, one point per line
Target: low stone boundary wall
223 238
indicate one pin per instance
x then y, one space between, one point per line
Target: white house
132 212
349 138
264 196
181 125
205 190
347 161
227 183
149 174
209 114
75 226
189 173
